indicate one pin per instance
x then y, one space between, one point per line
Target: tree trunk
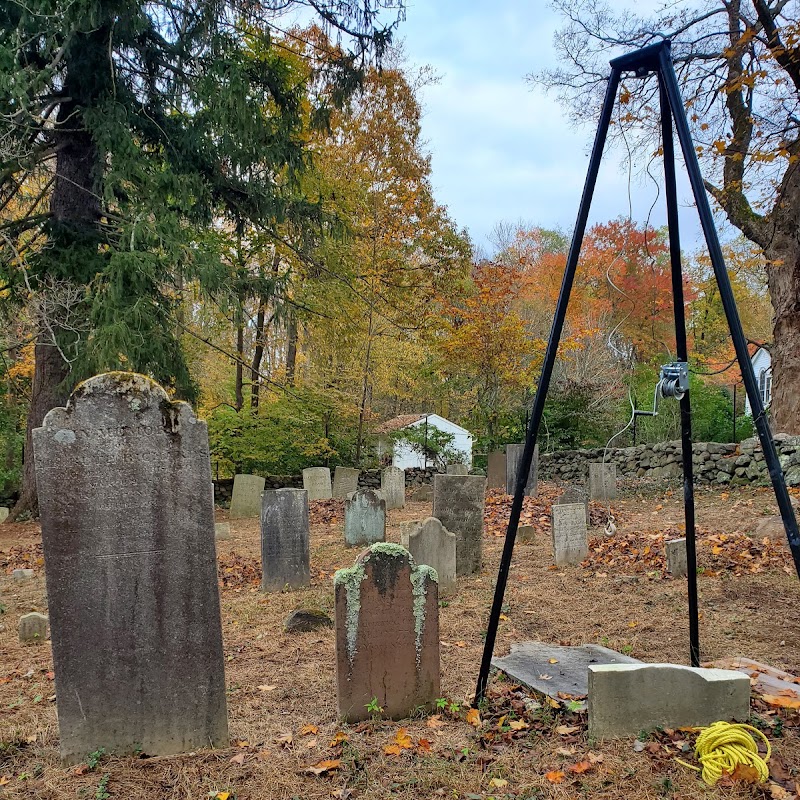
784 288
239 403
291 350
258 354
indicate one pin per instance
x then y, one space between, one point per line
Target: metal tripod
653 59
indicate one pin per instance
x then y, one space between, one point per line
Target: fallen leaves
309 730
323 767
782 700
236 571
403 741
555 776
474 717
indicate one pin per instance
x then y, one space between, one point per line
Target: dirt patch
280 684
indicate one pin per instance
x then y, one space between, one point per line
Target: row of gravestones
247 489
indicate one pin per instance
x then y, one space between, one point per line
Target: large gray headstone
364 518
284 540
572 494
513 459
317 482
496 470
246 497
570 545
128 536
602 481
345 481
393 487
429 542
458 503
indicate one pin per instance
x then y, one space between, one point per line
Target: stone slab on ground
528 661
345 481
627 698
123 476
676 557
246 498
764 678
22 575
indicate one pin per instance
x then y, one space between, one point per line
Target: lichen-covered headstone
570 545
32 627
458 503
284 540
393 487
572 494
364 518
429 542
345 481
387 634
246 497
457 469
317 482
602 481
128 536
677 563
4 512
513 460
496 470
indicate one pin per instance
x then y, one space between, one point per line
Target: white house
405 457
762 367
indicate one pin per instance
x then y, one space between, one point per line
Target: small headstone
222 531
627 698
317 482
33 627
21 575
457 469
304 620
458 503
676 557
526 533
424 494
246 497
602 481
570 545
131 571
573 494
4 512
429 542
284 540
513 459
387 634
496 470
345 481
364 518
393 487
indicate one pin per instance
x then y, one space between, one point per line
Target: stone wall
714 463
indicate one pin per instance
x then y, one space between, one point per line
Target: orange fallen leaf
580 767
474 717
222 795
238 759
340 737
498 783
553 661
81 769
435 721
566 730
746 774
393 750
321 767
518 724
781 702
424 745
402 739
4 780
307 730
461 644
504 617
555 776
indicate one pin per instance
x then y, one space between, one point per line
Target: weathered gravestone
458 502
457 469
246 497
496 470
222 531
513 460
423 494
429 542
572 494
677 564
22 575
602 481
345 481
393 487
387 634
317 482
32 627
4 512
128 536
364 518
570 544
284 540
526 533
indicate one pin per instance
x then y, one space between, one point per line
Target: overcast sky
503 150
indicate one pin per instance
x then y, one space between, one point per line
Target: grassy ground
281 687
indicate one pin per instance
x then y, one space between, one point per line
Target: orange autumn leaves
404 741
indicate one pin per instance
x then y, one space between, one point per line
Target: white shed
404 456
762 367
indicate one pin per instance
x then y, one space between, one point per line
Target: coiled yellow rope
723 746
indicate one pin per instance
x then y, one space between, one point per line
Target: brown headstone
387 634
